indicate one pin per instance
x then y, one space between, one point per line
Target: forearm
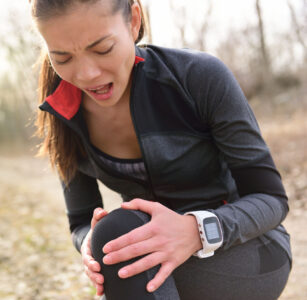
79 234
249 217
82 196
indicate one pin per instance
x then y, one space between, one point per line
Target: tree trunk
263 47
203 29
148 23
297 27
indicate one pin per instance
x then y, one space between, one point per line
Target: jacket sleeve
262 203
82 196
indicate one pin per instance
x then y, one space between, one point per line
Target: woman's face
93 49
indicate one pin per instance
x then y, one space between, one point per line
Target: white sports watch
209 230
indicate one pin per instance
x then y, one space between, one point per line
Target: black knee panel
115 224
112 226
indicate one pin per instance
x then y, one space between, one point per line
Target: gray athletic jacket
200 143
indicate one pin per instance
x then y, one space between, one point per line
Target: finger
94 266
140 204
134 236
141 265
91 276
129 252
98 278
165 271
99 289
86 259
95 277
88 250
98 214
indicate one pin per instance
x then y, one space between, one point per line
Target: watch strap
208 249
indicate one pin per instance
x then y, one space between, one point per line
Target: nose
86 71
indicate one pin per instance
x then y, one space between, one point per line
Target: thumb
143 205
98 214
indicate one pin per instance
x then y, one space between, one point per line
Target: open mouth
104 89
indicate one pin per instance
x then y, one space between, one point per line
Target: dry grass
284 127
37 259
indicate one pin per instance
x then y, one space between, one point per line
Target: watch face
212 230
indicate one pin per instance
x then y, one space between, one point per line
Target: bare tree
299 29
181 19
18 84
146 8
204 28
200 26
265 57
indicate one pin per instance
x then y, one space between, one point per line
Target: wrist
196 243
84 242
210 232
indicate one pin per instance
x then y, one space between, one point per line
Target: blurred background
262 42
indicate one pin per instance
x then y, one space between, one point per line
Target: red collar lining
66 99
138 59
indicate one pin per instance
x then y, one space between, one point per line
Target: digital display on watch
212 230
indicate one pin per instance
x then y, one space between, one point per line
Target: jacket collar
66 99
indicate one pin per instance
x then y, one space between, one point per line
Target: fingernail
107 259
151 288
123 273
106 249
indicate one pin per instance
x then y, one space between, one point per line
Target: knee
112 226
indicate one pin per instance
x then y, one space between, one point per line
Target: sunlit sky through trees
225 14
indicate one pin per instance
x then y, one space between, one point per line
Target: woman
171 131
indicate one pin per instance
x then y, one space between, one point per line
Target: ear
136 20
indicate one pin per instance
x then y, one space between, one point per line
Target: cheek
62 71
122 64
55 67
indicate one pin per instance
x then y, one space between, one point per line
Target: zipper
134 79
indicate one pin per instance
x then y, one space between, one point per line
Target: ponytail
59 142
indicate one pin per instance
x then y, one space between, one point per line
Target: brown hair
62 144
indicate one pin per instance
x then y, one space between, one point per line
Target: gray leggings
255 270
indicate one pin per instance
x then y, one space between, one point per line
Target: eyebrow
92 45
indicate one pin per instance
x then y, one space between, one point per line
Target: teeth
102 90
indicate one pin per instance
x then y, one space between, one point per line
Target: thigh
255 270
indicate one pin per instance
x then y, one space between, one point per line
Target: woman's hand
168 239
92 267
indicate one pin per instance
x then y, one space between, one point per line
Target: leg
256 270
117 223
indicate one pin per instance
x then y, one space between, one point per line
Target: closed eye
105 52
62 62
